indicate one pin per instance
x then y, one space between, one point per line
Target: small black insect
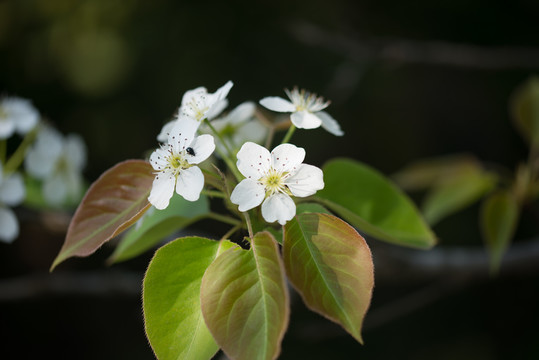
190 151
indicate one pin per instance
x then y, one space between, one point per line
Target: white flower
197 105
238 126
272 177
12 193
16 115
59 162
175 168
306 109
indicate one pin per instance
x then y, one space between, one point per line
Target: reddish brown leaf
112 204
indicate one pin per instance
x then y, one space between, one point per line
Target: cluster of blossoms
50 158
270 178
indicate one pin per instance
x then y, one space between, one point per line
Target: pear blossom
12 193
58 161
306 108
16 115
238 126
175 165
271 179
197 105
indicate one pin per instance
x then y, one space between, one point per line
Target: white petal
241 113
38 164
41 159
9 226
223 91
253 160
23 114
247 194
162 190
305 120
203 146
55 189
12 190
276 103
158 159
216 109
165 130
50 141
194 93
305 181
278 207
7 128
190 183
329 123
252 130
75 151
287 157
73 182
182 135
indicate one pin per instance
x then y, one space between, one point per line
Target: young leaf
245 300
455 192
370 202
330 265
525 110
499 217
158 224
112 204
171 299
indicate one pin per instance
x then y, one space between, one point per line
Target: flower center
176 163
198 108
274 182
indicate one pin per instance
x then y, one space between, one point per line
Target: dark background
407 80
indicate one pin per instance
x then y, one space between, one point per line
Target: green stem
230 232
3 151
269 138
18 156
223 218
249 226
214 193
225 157
289 134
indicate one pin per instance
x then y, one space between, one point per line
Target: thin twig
361 49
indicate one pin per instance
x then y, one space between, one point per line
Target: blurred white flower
306 109
237 127
197 105
12 193
16 115
175 165
271 178
58 161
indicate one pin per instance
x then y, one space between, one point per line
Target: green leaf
113 203
525 110
455 192
156 225
370 202
308 207
245 300
171 299
424 173
499 217
330 265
